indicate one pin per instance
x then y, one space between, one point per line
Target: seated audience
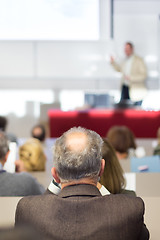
157 148
39 132
15 184
112 178
31 156
79 211
3 125
123 141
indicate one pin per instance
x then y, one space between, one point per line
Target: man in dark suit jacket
79 211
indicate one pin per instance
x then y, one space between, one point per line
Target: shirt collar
104 191
79 190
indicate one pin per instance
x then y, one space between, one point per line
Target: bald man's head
76 141
77 154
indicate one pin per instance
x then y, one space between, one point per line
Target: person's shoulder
137 58
126 202
27 178
128 192
124 197
31 183
23 176
30 202
131 198
16 176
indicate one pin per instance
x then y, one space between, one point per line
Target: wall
84 64
54 64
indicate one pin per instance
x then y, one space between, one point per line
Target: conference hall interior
55 70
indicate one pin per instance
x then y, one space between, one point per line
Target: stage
144 124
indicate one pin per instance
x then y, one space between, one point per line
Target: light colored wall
56 64
84 64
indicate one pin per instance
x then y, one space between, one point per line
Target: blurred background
56 54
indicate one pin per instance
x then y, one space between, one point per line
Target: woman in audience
31 156
112 179
123 141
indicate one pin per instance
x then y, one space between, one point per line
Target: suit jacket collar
80 190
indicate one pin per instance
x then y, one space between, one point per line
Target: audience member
39 132
112 178
31 156
122 139
3 125
15 184
157 148
80 211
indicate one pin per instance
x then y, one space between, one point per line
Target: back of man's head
4 146
38 131
3 123
77 154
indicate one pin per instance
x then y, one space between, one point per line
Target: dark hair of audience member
38 131
121 138
112 177
3 123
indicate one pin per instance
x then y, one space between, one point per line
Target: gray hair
4 145
73 165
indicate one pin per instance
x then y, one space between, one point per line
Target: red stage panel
144 124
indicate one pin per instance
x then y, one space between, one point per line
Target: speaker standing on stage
134 73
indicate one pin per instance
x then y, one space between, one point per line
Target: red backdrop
144 124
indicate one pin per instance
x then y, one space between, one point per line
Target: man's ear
102 167
55 175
